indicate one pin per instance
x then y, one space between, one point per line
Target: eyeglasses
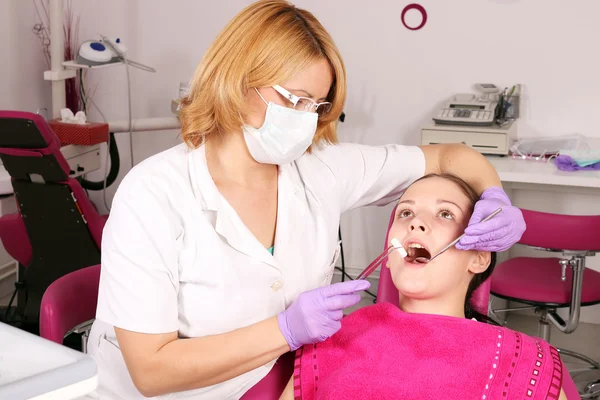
304 103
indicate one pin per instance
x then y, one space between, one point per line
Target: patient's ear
480 262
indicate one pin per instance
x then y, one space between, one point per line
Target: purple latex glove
500 232
316 314
566 163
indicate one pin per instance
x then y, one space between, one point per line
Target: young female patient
430 348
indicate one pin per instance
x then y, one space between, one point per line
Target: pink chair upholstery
272 385
387 291
69 301
561 232
14 238
538 281
57 230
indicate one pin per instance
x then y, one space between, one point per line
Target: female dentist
218 253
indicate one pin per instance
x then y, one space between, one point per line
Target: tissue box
86 134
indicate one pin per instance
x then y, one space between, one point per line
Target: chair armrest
69 302
83 328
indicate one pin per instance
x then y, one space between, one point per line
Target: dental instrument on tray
492 215
396 245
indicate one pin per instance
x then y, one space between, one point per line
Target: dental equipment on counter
396 245
546 148
452 243
466 109
481 110
484 122
568 153
489 140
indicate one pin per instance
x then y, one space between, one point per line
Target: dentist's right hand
316 314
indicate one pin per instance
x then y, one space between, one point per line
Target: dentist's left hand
316 314
500 232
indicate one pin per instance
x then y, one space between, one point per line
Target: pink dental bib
384 353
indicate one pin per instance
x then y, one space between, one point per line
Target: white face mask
284 136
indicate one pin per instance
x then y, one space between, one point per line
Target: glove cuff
495 192
285 331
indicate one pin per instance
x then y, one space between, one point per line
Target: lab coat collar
203 186
226 221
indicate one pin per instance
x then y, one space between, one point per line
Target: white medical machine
467 109
492 139
471 119
35 368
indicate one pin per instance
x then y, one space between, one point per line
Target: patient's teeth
415 245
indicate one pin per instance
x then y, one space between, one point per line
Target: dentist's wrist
285 331
497 193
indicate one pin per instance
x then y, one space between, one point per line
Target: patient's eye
405 213
446 214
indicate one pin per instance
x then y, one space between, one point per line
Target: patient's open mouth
417 253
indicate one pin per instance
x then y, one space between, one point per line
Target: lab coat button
276 286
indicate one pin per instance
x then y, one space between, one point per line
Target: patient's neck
451 305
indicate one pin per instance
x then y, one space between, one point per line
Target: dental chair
387 292
69 305
548 284
57 230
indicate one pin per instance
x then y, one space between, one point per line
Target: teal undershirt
271 249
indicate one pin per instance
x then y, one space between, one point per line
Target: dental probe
373 266
492 215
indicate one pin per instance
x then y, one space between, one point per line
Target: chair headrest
24 130
29 149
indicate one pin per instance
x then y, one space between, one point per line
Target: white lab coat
176 256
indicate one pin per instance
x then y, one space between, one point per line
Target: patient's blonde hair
266 44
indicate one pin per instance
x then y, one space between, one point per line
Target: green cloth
271 249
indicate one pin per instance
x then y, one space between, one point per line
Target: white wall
396 77
21 88
22 66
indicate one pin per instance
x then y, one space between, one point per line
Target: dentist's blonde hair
265 44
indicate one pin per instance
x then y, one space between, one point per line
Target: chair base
591 390
593 363
83 329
